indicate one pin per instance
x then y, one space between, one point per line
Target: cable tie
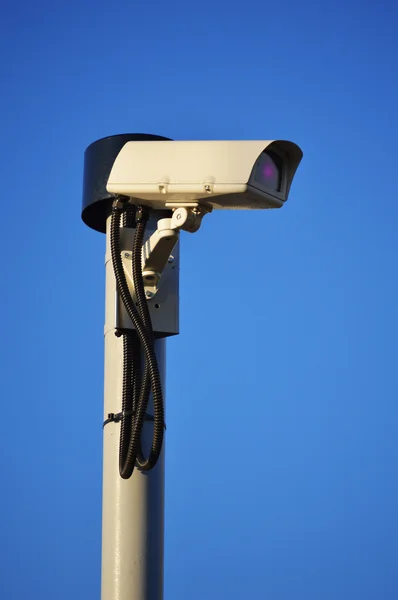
116 418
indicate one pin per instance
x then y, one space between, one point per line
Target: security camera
182 181
218 174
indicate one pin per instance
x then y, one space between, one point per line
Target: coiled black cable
136 391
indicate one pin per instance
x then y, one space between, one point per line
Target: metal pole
133 509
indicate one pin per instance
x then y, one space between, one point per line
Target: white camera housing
219 174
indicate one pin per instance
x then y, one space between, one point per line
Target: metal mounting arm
158 248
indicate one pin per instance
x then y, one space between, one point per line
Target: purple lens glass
269 171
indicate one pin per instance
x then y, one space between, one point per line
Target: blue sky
282 419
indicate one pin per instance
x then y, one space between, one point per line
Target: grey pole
133 509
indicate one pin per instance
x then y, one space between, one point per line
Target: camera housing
220 174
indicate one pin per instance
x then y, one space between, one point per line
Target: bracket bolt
170 259
127 255
149 294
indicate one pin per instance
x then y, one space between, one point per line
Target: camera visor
269 170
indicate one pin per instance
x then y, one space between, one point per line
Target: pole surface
133 509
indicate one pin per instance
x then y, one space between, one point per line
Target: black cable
136 392
131 379
142 217
131 372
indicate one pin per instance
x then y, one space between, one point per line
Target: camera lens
269 170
